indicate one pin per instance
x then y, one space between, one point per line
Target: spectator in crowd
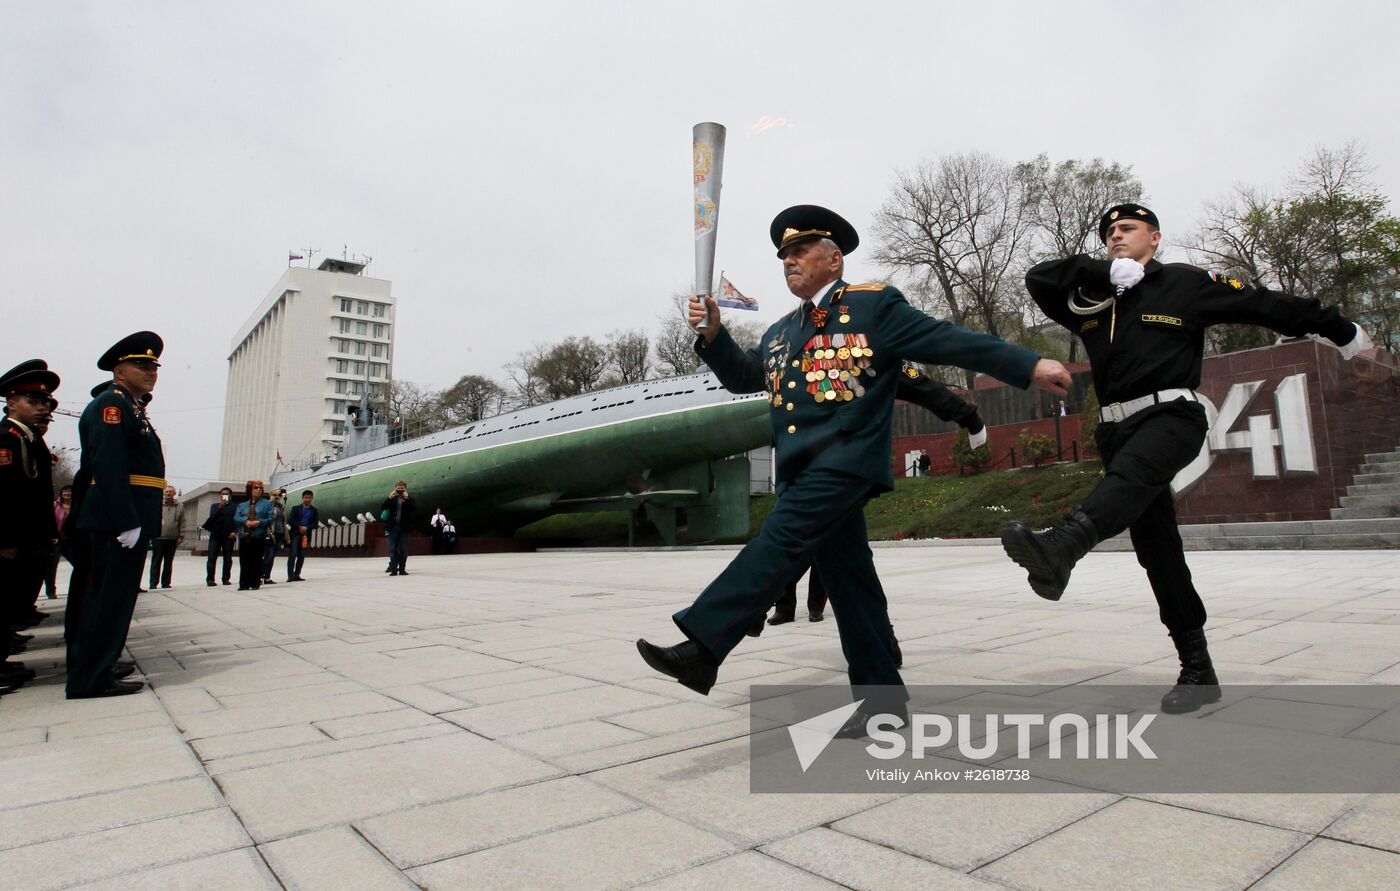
62 507
163 545
925 463
397 514
435 525
302 520
222 534
253 520
276 535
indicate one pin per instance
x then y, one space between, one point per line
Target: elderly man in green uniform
1143 325
27 529
830 370
120 513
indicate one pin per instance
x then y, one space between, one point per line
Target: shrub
966 456
1034 447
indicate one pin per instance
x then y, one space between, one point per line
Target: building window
361 308
379 310
340 386
345 326
358 369
379 330
345 304
337 406
337 428
359 347
377 351
376 369
341 365
357 387
361 327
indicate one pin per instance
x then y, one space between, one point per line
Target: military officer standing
27 526
830 369
119 514
1143 326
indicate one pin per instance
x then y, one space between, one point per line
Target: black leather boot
687 662
1197 684
1049 556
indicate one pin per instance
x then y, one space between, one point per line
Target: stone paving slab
485 722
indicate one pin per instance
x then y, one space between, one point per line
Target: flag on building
731 297
293 255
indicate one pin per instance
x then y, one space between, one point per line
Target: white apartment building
319 338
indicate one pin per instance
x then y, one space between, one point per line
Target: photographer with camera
397 513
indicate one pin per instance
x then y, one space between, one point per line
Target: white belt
1121 411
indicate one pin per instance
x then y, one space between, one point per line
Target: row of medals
832 365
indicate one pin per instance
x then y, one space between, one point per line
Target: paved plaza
487 723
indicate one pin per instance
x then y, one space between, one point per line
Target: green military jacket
831 375
122 456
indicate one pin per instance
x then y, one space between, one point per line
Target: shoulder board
867 286
1223 279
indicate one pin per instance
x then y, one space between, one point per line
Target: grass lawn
974 506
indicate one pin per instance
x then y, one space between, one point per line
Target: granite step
1392 457
1365 513
1382 531
1383 499
1369 488
1376 479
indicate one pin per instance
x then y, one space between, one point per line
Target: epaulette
867 286
1223 279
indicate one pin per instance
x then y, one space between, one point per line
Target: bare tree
630 356
675 342
545 373
954 234
1065 201
1329 236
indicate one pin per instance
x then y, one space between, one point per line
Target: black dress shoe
756 628
213 584
165 586
227 582
686 662
123 671
140 590
855 726
815 617
393 572
1197 684
403 572
779 619
7 688
268 582
15 674
116 688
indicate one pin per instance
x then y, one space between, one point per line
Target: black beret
806 221
1118 211
30 376
141 345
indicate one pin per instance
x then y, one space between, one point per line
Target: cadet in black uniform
120 513
830 369
1143 326
921 390
27 526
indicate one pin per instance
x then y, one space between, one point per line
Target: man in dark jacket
302 520
1143 325
397 511
222 534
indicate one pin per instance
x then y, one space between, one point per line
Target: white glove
1125 272
1353 349
128 538
978 439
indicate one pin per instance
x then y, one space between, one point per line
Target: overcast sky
521 170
